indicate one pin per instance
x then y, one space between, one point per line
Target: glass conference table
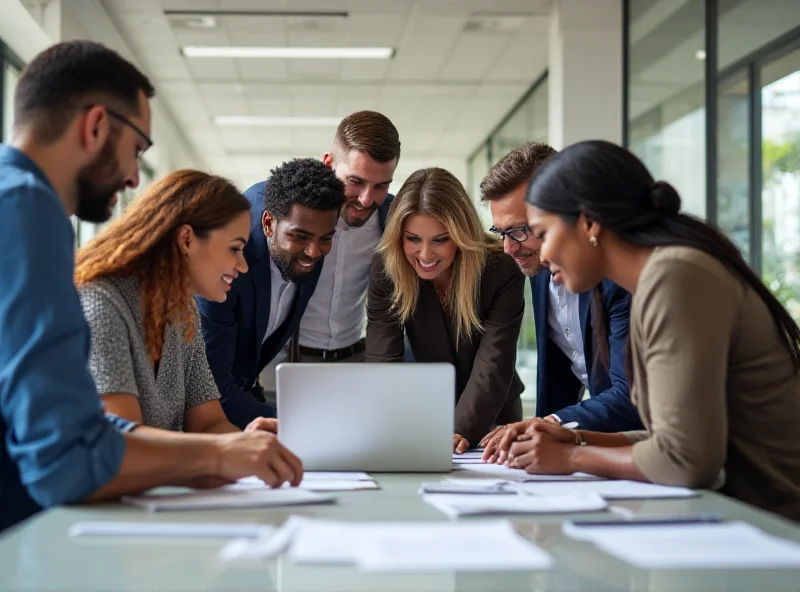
40 555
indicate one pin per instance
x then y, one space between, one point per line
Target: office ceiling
457 69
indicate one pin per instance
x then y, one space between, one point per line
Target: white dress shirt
335 315
283 293
564 328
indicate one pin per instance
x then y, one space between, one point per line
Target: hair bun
665 198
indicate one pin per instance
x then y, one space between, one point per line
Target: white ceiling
444 89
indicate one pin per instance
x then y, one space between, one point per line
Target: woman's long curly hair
142 243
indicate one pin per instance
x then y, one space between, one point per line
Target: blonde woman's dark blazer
487 385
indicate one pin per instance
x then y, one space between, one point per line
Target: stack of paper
732 545
171 529
608 489
402 547
226 497
470 504
470 457
319 481
483 471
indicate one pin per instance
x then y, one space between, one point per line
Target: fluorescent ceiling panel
266 121
340 53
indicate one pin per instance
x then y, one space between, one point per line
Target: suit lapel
429 313
540 285
584 303
262 279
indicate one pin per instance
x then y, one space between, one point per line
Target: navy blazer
609 409
233 330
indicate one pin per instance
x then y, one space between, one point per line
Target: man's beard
285 265
359 222
98 184
534 264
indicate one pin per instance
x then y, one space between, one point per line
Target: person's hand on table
460 444
545 448
258 453
498 441
264 424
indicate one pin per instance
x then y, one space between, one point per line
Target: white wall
585 72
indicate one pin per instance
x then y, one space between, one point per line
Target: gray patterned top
119 362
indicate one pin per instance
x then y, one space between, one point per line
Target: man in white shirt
364 156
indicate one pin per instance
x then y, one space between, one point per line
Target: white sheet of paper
731 545
469 457
330 541
609 489
222 497
494 471
262 547
461 546
455 505
317 482
336 476
171 529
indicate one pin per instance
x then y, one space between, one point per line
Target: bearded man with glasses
566 367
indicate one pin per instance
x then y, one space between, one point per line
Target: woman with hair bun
713 356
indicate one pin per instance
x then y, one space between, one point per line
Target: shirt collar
12 156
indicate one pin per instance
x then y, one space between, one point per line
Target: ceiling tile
473 56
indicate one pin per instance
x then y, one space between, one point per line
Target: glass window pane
478 167
780 196
733 162
512 134
11 75
666 97
747 25
537 106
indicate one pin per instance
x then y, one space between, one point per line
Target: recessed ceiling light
356 53
700 54
265 121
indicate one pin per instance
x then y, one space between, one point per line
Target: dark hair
514 169
369 132
69 76
304 181
612 187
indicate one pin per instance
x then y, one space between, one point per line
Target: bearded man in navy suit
566 365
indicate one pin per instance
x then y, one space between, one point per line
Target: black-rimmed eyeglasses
121 118
516 233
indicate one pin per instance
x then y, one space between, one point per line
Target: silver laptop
368 417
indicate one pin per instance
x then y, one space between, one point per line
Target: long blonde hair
437 193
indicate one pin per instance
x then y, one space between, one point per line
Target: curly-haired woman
136 281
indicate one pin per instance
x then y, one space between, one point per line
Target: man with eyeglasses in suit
565 358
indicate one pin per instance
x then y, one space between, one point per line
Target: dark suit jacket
609 409
233 330
487 385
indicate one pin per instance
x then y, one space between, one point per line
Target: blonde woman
441 281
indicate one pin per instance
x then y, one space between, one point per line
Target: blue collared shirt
57 445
